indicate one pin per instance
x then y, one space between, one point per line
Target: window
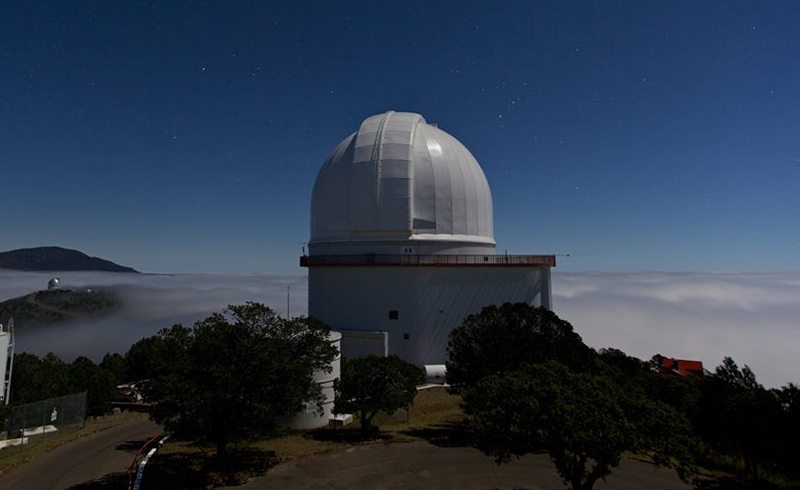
394 315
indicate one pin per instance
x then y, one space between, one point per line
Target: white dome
401 180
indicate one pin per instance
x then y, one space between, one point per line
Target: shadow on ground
348 435
111 481
114 480
192 470
730 483
200 470
132 446
448 434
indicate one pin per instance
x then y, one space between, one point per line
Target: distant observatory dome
401 185
54 283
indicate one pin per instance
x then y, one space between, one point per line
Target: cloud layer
755 318
149 303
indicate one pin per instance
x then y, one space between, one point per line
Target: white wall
430 301
308 417
4 341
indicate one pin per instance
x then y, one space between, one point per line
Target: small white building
402 242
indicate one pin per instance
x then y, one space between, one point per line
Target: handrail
429 260
136 469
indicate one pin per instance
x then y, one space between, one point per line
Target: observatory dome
401 185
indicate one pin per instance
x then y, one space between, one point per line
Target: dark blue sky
186 137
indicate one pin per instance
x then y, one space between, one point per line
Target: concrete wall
5 338
308 417
429 301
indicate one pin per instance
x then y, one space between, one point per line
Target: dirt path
84 459
422 465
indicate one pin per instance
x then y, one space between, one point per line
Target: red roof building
681 367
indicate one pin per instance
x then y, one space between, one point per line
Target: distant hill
56 259
55 305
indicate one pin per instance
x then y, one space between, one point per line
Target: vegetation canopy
530 384
37 379
504 338
585 422
234 375
372 384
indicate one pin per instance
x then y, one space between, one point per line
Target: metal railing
388 260
147 451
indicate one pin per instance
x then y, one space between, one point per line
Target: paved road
422 465
84 459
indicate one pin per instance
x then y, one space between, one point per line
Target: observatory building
402 242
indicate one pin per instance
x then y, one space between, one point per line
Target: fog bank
149 303
754 318
705 316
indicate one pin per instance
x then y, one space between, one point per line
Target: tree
148 356
738 416
679 392
583 421
234 375
98 382
627 366
5 414
116 367
789 438
372 384
37 379
26 381
729 373
503 338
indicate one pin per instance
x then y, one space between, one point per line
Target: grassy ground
13 456
181 464
432 407
435 417
193 465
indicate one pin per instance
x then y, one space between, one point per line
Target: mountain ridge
57 259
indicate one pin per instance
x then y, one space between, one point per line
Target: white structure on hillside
6 359
402 242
